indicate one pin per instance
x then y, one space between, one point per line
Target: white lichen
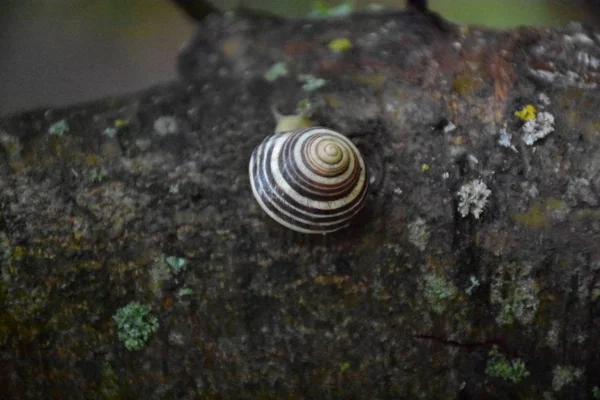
552 336
578 38
505 139
567 60
538 128
581 190
565 375
544 100
418 233
166 125
449 127
473 198
11 144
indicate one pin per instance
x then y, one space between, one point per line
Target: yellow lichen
554 204
588 213
90 265
333 101
232 47
527 113
92 159
335 280
592 130
121 122
458 140
370 79
339 45
573 116
538 215
534 218
466 85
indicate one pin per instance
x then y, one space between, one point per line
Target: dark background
57 52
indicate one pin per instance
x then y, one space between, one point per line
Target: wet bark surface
428 294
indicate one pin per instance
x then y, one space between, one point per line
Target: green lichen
304 107
177 264
321 9
474 283
438 291
596 392
110 132
311 82
185 292
59 128
98 175
109 385
5 250
563 375
596 294
515 292
275 71
499 366
135 325
344 367
174 188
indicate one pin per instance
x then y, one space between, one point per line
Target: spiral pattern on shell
311 180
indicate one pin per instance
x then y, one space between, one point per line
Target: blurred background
58 52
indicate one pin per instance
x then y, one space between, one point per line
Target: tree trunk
472 272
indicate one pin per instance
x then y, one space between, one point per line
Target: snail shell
311 180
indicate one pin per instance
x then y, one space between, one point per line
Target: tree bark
413 301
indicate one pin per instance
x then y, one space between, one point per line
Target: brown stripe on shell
308 187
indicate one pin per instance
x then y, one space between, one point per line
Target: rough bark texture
413 301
